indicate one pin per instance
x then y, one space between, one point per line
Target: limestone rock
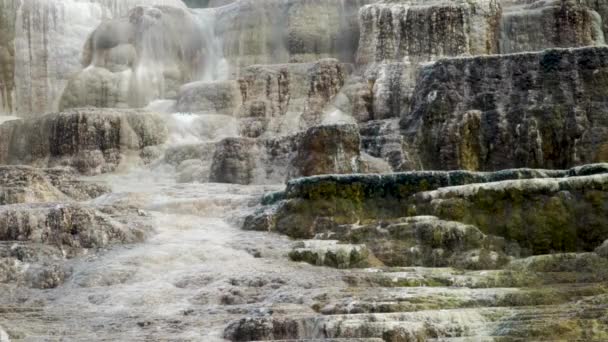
23 184
603 249
328 149
542 110
283 99
382 139
315 205
71 227
542 215
550 24
33 85
90 140
209 98
235 161
331 253
417 31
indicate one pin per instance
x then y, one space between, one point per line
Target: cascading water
235 94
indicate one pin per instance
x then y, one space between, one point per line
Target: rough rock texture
310 206
235 161
90 140
543 110
553 24
382 139
135 59
70 227
24 184
277 31
209 98
543 216
327 149
419 31
8 16
330 253
282 99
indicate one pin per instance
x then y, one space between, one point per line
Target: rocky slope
351 170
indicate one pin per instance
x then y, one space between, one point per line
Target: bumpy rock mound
545 110
327 149
543 216
69 226
496 203
286 98
550 24
23 184
90 140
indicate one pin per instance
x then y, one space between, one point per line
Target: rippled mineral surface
303 170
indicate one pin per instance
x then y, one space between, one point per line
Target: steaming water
195 274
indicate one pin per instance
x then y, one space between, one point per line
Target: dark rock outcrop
495 203
89 140
541 110
327 149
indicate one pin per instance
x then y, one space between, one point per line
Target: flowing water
197 272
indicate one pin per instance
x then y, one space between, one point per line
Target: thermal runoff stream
303 170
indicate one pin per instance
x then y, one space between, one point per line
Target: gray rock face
544 110
324 149
210 98
90 140
416 31
70 227
283 99
382 139
328 149
276 31
235 161
23 184
553 24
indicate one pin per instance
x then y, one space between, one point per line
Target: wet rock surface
187 220
89 140
487 120
23 184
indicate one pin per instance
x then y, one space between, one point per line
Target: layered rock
8 16
318 205
69 226
543 216
419 31
210 98
544 110
550 24
281 99
90 140
272 31
23 184
325 149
